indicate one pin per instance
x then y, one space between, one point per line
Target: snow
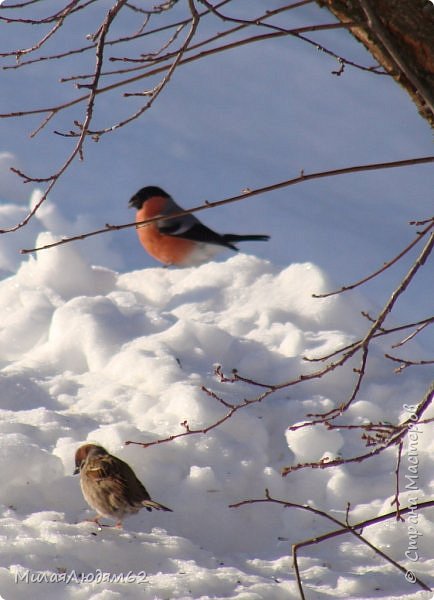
89 354
99 344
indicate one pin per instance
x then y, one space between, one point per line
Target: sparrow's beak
76 471
131 203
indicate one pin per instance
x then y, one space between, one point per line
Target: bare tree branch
385 266
343 529
396 434
246 194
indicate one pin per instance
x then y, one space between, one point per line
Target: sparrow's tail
150 504
229 237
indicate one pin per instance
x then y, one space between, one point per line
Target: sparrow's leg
96 521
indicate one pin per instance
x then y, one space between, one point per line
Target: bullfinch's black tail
229 237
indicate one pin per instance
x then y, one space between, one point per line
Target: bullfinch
182 241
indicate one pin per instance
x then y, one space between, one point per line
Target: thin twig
397 434
414 333
382 332
342 61
395 500
404 363
384 267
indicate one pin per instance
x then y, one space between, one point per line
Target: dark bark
400 36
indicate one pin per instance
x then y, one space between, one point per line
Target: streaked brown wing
121 479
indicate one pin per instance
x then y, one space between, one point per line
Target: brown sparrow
110 486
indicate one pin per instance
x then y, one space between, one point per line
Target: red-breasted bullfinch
182 241
110 486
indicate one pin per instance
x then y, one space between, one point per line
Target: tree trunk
400 36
